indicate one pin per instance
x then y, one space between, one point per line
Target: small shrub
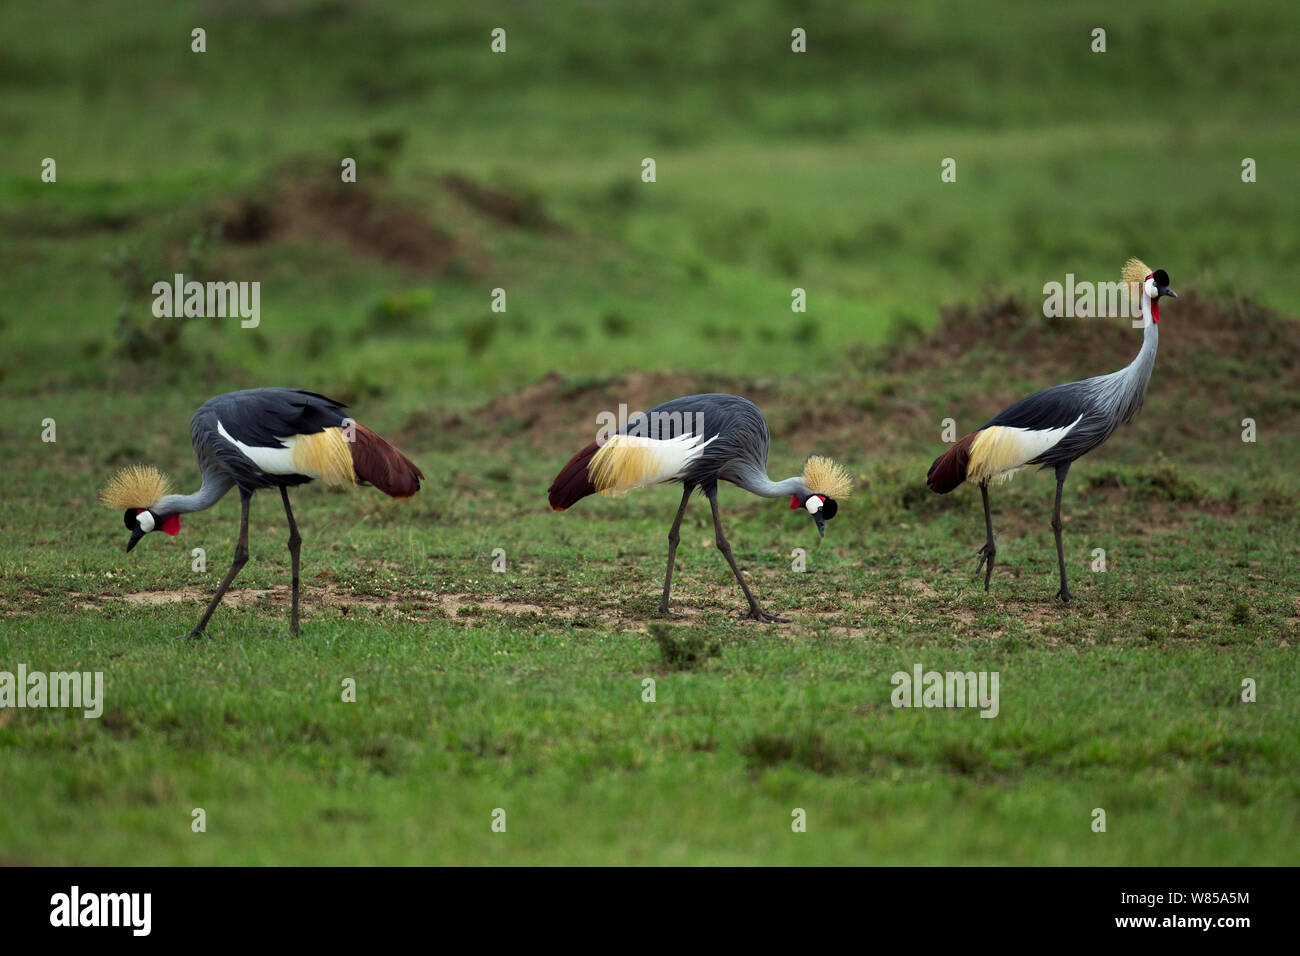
1161 479
399 312
686 652
478 335
615 324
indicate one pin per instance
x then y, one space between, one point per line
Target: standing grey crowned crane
1053 427
255 439
698 441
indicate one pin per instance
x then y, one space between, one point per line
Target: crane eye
145 520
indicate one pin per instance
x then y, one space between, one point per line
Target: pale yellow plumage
327 455
824 477
621 464
137 486
995 453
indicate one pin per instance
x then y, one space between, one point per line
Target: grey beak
1168 291
136 535
821 524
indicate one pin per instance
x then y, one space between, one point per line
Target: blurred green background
775 170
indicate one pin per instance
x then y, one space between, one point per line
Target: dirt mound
1235 356
1215 361
559 409
1191 327
312 207
524 211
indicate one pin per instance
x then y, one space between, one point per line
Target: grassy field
523 689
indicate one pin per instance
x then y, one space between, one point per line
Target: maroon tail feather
571 485
949 469
380 464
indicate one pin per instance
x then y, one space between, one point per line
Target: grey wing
738 432
1074 403
258 417
262 416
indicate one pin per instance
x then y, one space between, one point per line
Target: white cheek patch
145 520
813 504
1150 289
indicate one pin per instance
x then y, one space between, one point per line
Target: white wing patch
273 461
674 454
999 451
633 461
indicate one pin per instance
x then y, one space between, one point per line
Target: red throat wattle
1155 308
794 502
171 524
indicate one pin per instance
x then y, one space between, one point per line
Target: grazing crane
254 439
1053 427
698 441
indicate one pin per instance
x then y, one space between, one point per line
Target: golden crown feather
136 486
826 477
1135 270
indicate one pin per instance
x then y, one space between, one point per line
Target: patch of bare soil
524 211
693 601
940 606
312 207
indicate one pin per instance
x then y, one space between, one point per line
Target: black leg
241 558
673 537
756 612
295 543
1061 471
987 552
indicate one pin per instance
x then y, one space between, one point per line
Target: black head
1161 278
140 521
820 507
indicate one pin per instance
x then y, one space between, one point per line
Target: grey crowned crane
698 441
1054 427
255 439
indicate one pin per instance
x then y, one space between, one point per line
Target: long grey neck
1146 357
1122 393
215 485
758 483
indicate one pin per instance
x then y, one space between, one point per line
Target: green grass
523 690
452 722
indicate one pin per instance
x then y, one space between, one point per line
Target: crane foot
758 614
664 612
986 554
1065 596
193 632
